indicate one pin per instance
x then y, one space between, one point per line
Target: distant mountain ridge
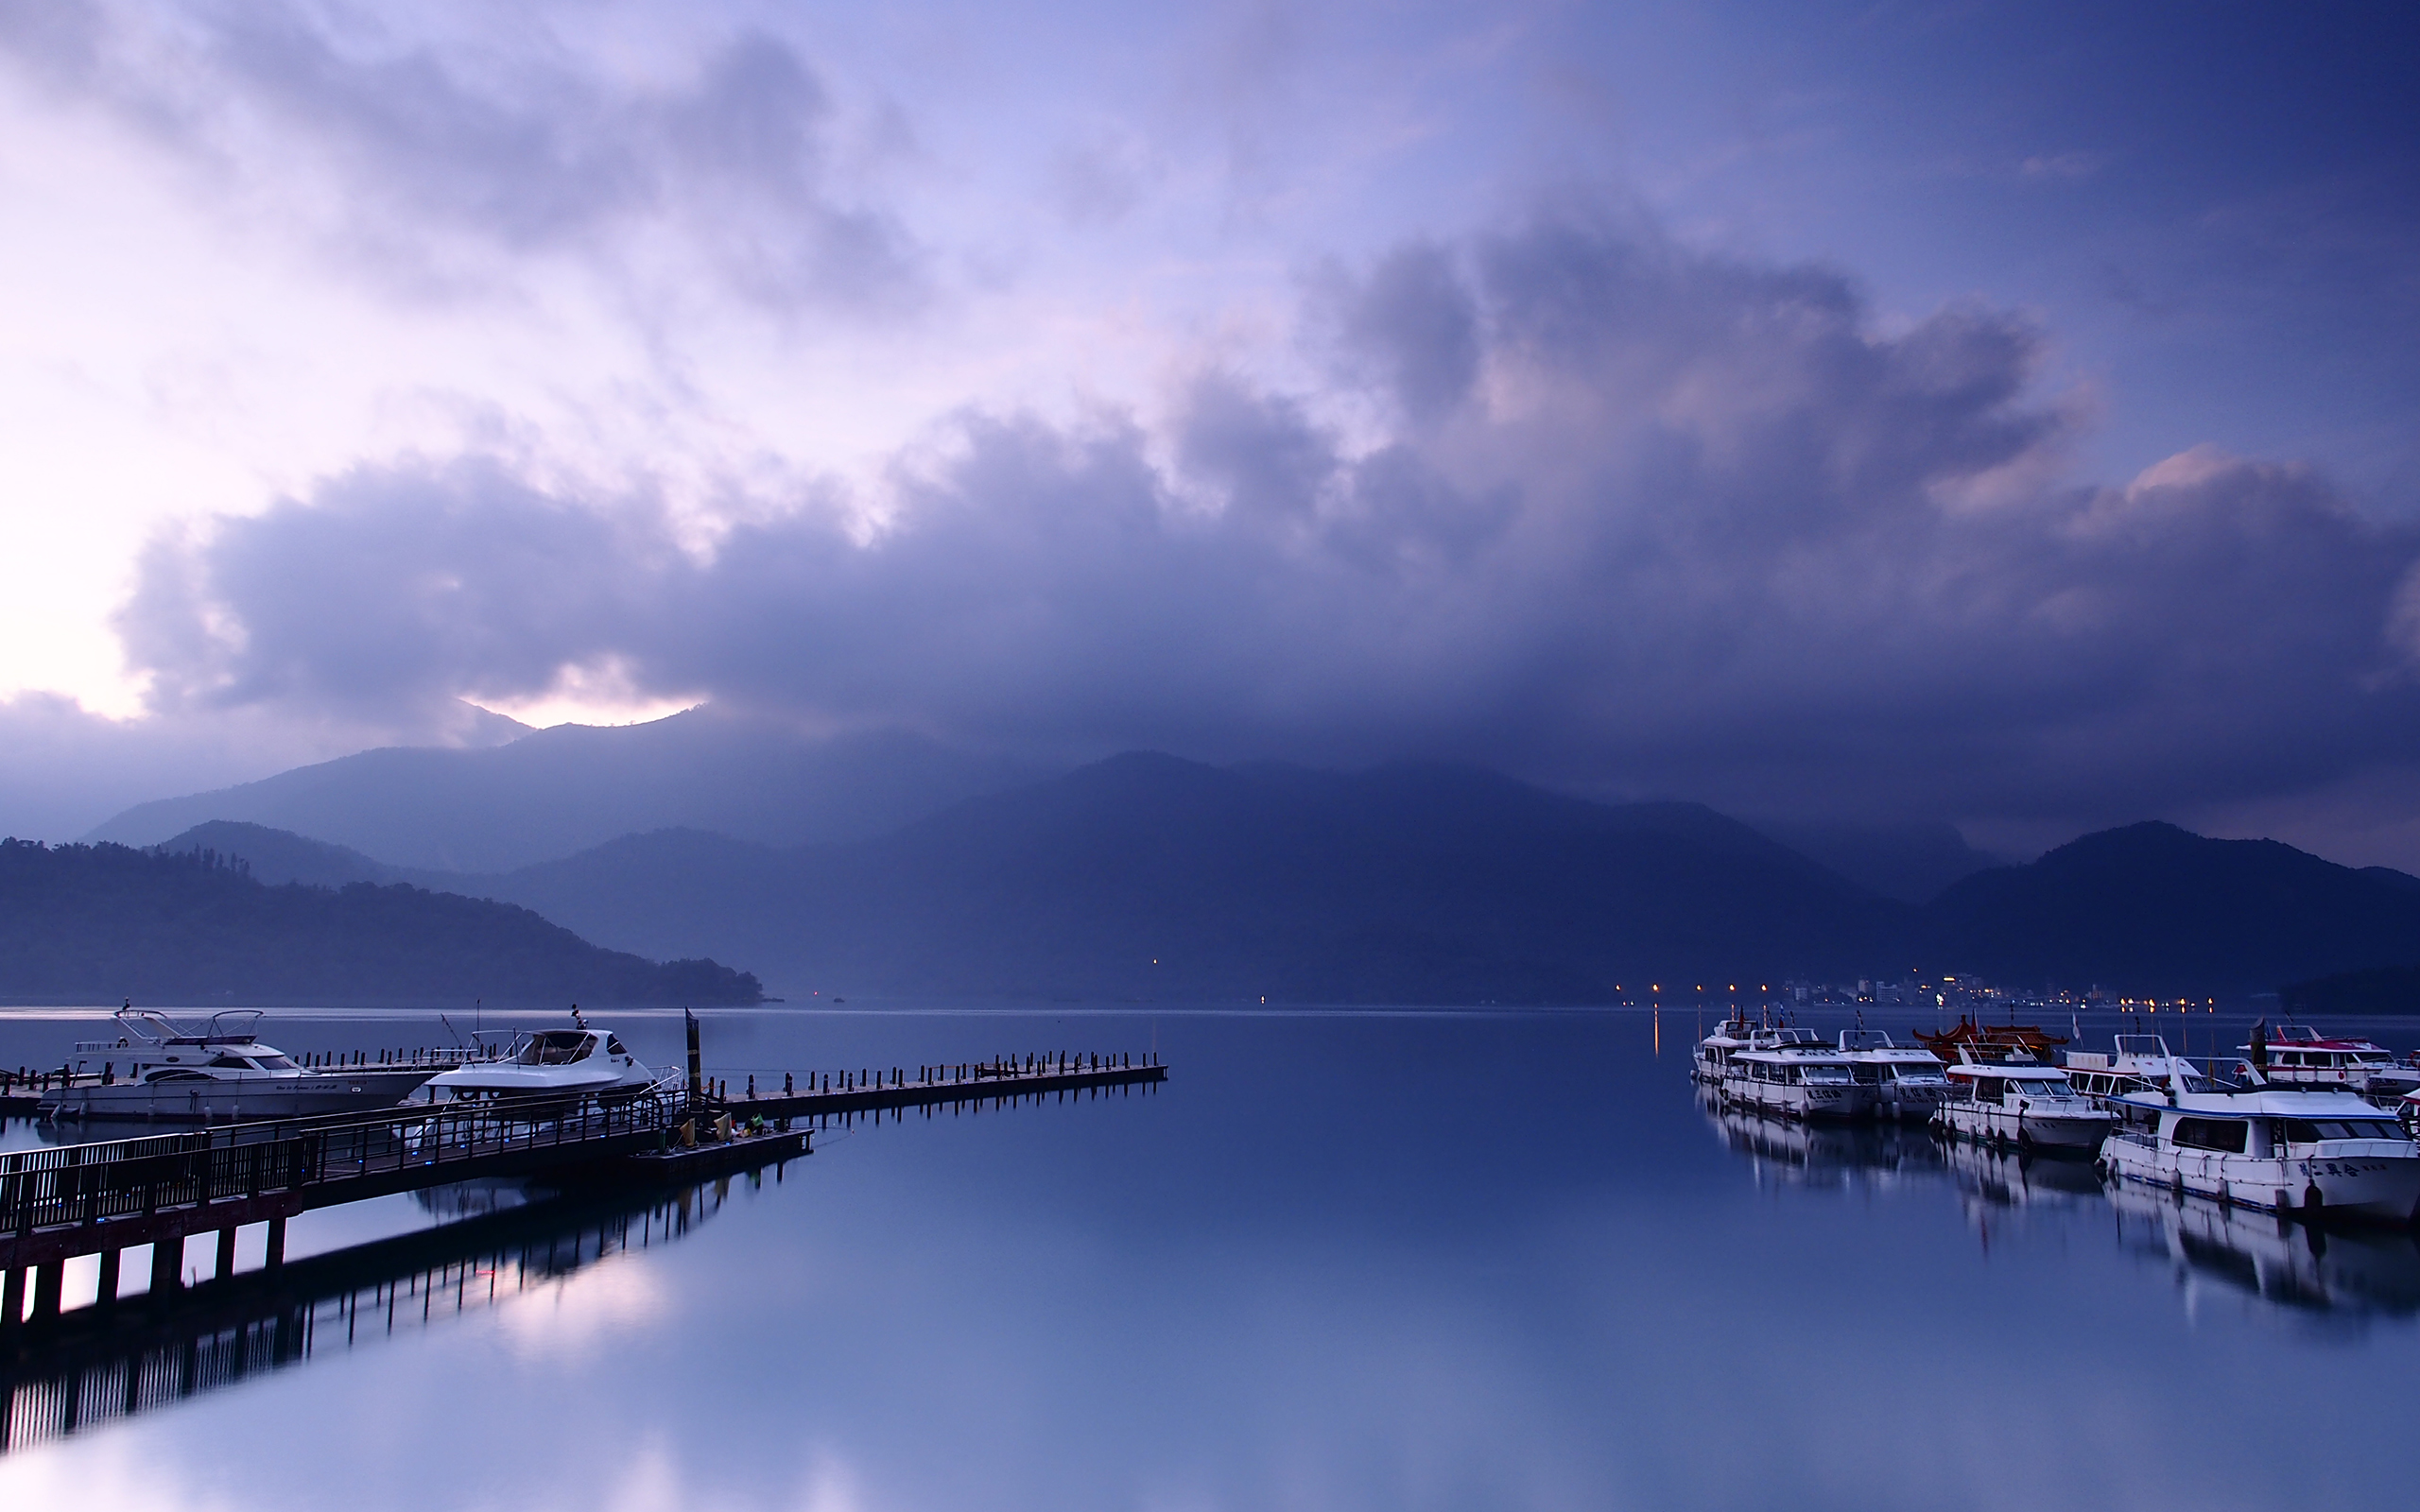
2152 904
1147 876
97 923
555 792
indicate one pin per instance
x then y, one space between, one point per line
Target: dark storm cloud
1653 522
525 149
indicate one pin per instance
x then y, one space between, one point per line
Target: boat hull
1910 1105
2376 1179
1830 1102
237 1100
2079 1132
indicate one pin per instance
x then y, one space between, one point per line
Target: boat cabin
567 1047
2009 1084
2271 1128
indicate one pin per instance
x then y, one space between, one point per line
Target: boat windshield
557 1047
2312 1131
1827 1074
274 1062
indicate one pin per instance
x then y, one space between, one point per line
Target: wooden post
167 1264
48 1277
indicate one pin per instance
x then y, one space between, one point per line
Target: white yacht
2310 1152
1713 1051
1909 1081
552 1062
2296 1055
158 1068
2022 1103
2136 1063
1794 1075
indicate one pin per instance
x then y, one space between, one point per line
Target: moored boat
1989 1041
2316 1153
1909 1081
578 1061
1791 1074
218 1071
2135 1063
2296 1055
2026 1104
1713 1053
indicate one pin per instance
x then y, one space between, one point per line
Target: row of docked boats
2292 1143
158 1068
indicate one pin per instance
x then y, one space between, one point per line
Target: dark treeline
98 922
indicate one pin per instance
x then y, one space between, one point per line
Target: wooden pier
843 1095
95 1365
110 1196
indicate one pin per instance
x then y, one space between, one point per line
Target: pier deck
114 1194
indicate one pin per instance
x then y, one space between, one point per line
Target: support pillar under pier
226 1252
13 1297
168 1265
105 1290
276 1244
48 1277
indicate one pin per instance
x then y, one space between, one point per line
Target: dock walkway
114 1194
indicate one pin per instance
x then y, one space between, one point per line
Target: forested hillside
101 922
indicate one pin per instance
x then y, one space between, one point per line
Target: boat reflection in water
99 1364
1822 1154
2346 1274
2344 1277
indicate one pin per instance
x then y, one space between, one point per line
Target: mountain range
558 791
1147 876
82 923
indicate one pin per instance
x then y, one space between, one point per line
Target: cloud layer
1579 502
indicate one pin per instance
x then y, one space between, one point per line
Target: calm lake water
1486 1260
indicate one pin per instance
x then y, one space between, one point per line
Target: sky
1993 413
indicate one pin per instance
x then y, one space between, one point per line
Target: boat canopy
2007 1070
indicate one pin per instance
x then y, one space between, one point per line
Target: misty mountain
2157 908
559 791
97 923
1911 862
1148 876
277 857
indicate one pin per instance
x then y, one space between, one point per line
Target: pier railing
78 1184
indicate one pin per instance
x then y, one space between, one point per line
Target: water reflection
1822 1154
2351 1276
2347 1274
99 1364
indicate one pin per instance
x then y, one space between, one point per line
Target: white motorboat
2296 1055
157 1069
2312 1152
2136 1063
1793 1075
2022 1103
576 1062
1909 1081
1714 1052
